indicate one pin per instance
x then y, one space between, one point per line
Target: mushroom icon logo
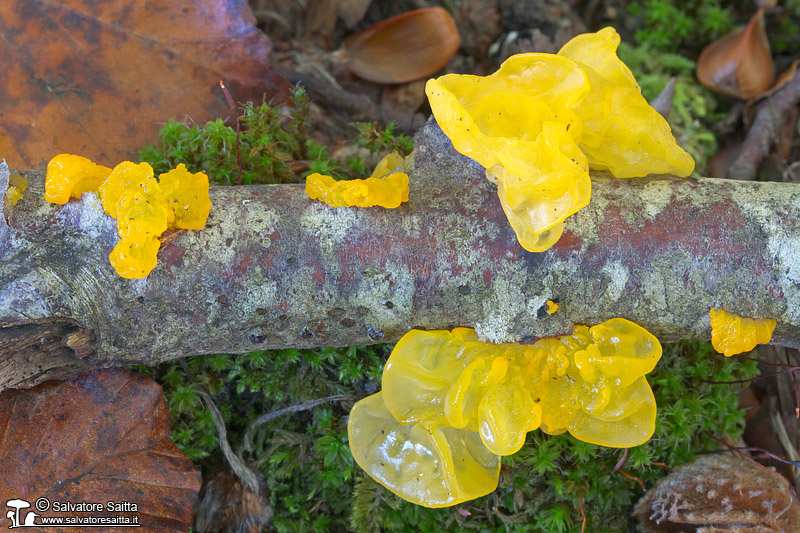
18 504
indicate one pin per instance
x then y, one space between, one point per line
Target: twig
786 442
359 107
242 471
247 441
762 376
621 460
583 513
624 473
764 130
232 105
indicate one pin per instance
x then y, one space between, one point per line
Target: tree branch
274 269
764 131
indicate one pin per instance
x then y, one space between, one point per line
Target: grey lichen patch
263 294
330 225
783 242
502 307
617 275
656 195
412 225
394 283
658 287
87 215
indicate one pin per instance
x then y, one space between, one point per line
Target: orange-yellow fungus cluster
16 188
550 307
69 176
144 208
386 187
542 121
452 405
389 191
732 334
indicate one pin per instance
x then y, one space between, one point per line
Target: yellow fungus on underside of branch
452 405
732 334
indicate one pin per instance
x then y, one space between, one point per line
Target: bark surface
274 269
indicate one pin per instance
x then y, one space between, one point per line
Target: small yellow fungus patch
16 187
389 164
389 191
551 307
144 207
732 334
69 176
541 121
452 405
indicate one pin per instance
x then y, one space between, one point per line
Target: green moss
673 24
275 146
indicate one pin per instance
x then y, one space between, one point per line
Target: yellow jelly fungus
732 334
144 208
16 187
452 405
69 176
389 164
551 307
389 191
541 121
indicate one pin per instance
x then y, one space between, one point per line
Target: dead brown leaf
96 78
101 437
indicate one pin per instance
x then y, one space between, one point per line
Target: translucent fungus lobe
451 405
542 121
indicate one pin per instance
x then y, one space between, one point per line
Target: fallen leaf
403 48
101 437
96 78
740 63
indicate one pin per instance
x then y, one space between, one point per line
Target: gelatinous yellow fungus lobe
389 191
144 208
389 164
186 196
732 334
69 176
622 133
540 122
519 124
426 464
16 188
125 183
550 307
446 394
135 258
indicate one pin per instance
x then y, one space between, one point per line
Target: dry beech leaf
102 436
740 63
404 48
721 492
97 78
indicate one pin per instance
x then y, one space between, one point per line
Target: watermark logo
58 513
